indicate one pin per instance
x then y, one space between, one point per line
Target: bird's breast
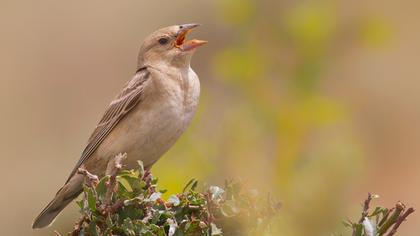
181 92
172 107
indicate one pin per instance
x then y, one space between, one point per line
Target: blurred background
316 102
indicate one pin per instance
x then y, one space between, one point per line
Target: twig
114 166
92 180
366 205
401 219
147 177
399 208
210 217
114 208
78 226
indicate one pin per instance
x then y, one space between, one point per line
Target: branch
78 226
114 166
400 220
399 208
387 221
92 180
366 205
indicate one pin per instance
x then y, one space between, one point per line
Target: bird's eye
163 41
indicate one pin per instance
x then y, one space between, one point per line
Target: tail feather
63 197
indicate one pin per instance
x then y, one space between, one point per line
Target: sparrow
145 119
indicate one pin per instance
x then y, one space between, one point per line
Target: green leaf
101 188
347 223
358 229
129 173
124 182
92 229
81 204
91 200
192 227
192 182
378 210
109 222
128 227
194 186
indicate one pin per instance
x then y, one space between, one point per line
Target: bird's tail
64 196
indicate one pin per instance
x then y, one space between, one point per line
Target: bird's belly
155 134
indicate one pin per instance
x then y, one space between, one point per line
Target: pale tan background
62 61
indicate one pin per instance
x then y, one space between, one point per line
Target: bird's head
169 46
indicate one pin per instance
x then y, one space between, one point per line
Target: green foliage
131 204
128 203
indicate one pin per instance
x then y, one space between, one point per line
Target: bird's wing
129 97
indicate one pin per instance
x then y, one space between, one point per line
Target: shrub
129 203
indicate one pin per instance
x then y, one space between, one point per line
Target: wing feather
129 97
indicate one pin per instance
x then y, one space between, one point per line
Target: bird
145 119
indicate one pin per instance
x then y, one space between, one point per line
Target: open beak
187 45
